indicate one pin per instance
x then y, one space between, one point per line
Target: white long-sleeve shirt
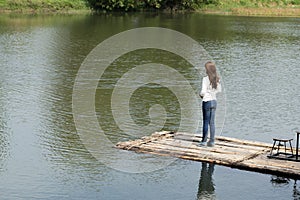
207 92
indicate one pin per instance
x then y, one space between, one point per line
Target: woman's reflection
206 188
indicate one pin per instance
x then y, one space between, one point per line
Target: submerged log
231 152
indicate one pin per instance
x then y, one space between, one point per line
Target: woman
210 87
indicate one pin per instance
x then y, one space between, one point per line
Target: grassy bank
44 6
226 7
255 7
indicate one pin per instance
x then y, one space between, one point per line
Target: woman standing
210 87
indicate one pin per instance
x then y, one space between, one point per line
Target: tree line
133 5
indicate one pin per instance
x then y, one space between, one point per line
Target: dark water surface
41 154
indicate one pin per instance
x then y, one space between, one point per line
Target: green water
42 155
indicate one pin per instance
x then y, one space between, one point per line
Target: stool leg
285 148
272 148
291 148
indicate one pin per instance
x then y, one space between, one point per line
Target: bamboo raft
231 152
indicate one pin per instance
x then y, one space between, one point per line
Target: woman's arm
204 88
219 88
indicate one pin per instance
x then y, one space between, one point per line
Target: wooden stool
279 143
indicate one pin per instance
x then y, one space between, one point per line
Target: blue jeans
209 112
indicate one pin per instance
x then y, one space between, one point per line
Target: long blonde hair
211 71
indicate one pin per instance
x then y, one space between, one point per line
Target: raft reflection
283 181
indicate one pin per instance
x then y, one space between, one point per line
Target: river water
42 156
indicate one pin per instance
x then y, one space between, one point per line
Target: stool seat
279 142
282 140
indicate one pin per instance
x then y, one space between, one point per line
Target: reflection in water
3 139
296 191
58 62
206 189
4 144
144 97
278 181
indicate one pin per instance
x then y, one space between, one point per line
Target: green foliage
295 2
128 5
115 4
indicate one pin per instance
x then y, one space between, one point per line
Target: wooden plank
232 152
244 142
279 167
190 154
217 148
224 146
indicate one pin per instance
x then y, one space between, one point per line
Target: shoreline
256 12
28 11
240 11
